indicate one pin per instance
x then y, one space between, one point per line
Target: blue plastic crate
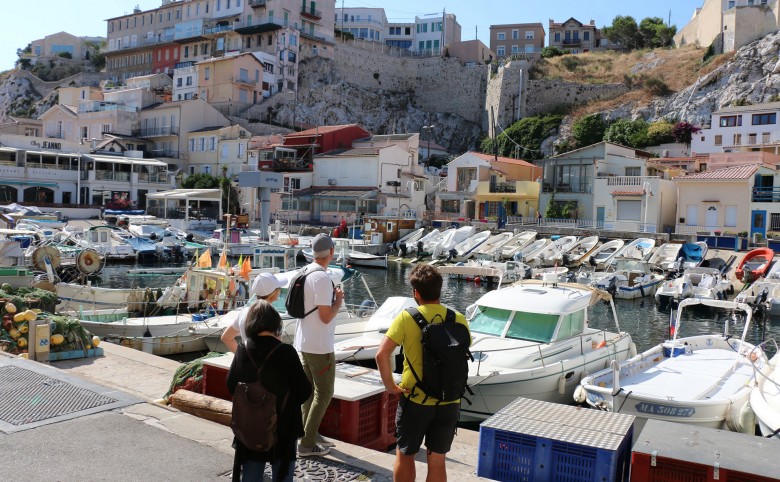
533 441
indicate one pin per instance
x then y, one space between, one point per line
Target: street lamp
428 128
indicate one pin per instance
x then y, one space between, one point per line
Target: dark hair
262 317
427 280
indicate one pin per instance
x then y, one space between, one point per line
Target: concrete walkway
148 441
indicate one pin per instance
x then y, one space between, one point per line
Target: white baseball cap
265 284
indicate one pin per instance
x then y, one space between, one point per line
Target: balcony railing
244 80
503 187
257 3
581 188
766 195
156 131
97 106
172 153
311 13
101 175
153 178
183 65
572 42
55 134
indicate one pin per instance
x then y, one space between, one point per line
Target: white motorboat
467 248
579 251
553 252
409 240
603 254
485 270
532 340
452 239
664 257
765 398
108 242
763 295
364 346
357 258
691 255
431 240
628 278
560 273
708 283
491 249
702 380
638 249
530 252
518 243
233 241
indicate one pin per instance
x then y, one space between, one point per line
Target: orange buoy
601 345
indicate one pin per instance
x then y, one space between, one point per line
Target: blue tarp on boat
127 212
691 252
143 245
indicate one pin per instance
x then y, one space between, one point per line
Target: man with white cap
314 339
266 287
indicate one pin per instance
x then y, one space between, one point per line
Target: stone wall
549 95
505 97
464 87
45 88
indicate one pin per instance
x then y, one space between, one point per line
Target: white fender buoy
742 419
580 395
615 377
632 350
561 384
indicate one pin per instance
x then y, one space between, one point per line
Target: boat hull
75 297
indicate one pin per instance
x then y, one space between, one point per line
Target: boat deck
699 375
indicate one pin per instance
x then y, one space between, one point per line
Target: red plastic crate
369 422
672 452
215 382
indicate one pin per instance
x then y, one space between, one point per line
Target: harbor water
641 318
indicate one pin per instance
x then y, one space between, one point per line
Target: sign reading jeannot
273 180
47 145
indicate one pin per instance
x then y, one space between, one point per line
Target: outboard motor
451 254
565 259
153 237
420 246
527 274
403 250
592 262
190 237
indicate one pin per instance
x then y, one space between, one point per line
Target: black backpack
294 304
445 348
254 417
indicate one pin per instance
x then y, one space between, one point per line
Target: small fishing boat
602 255
638 249
467 248
665 256
763 295
365 345
765 398
532 339
231 240
530 253
518 243
691 255
707 283
579 251
452 239
485 270
627 278
754 264
491 249
108 242
409 240
554 251
431 240
367 260
702 380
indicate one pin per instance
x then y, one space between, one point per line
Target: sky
25 23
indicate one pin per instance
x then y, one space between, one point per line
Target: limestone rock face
17 98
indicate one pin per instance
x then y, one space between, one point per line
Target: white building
363 23
434 32
185 81
747 128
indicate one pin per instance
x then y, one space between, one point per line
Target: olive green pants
321 371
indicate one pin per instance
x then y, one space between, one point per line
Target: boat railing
758 355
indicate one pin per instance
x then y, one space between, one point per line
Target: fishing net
189 376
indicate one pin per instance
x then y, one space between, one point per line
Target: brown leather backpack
254 418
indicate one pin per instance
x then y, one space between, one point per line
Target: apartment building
574 35
750 128
433 32
400 35
728 25
218 150
517 38
62 43
206 28
232 81
363 23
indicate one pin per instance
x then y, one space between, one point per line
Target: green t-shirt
405 332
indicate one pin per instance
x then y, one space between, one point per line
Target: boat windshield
534 327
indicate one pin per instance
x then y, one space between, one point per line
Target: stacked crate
534 441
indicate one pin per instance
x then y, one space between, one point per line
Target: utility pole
342 20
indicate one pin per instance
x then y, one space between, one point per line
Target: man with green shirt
419 416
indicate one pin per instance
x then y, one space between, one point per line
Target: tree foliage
230 199
660 133
523 138
651 32
552 51
627 133
589 130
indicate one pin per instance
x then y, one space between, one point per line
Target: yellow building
232 81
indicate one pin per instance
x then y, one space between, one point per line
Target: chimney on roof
593 22
94 143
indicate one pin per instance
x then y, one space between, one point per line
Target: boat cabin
268 256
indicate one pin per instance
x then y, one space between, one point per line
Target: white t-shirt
239 322
312 335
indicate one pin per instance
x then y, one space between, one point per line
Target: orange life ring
601 345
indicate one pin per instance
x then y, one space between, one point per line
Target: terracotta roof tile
320 130
727 173
507 160
626 193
